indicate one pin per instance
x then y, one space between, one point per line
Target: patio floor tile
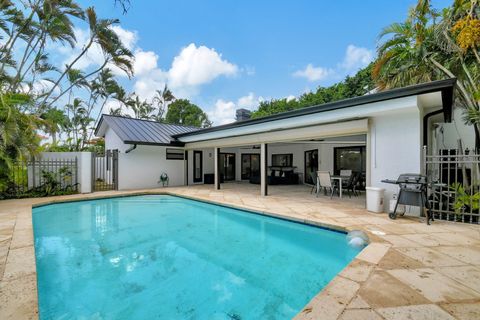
430 257
464 311
435 286
360 314
469 276
383 290
419 312
395 260
466 254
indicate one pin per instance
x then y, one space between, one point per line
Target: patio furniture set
331 184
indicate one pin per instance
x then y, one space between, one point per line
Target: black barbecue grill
413 192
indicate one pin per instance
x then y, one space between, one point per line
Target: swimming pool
166 257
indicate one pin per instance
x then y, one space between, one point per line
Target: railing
41 177
105 171
454 185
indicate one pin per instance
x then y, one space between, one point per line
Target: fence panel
42 177
454 185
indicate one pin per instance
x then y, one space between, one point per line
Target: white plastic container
375 198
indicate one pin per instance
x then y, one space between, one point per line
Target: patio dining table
340 180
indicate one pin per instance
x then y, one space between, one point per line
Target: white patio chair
345 173
326 183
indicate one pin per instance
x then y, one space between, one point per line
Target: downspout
131 148
425 125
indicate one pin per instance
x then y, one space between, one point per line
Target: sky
224 55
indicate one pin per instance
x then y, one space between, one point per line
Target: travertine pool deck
409 271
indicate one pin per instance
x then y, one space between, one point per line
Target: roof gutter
445 86
131 148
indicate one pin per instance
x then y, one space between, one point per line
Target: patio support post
217 168
263 169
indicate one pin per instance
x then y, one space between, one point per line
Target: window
197 166
175 154
282 160
350 158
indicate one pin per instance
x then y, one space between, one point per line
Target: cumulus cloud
195 66
355 58
312 73
224 111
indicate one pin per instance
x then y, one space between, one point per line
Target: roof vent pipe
131 148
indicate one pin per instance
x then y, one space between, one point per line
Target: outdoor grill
413 192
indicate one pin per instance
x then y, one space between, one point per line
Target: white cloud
224 111
195 66
145 62
128 38
356 58
312 73
114 104
290 98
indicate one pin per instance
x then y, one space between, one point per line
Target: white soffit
382 108
344 128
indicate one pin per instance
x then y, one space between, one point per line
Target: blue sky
228 54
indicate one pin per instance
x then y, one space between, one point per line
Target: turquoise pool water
165 257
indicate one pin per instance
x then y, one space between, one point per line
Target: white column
216 152
263 169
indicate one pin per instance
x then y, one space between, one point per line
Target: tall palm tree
160 101
424 48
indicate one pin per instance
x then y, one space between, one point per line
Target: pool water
165 257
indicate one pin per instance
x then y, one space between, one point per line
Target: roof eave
445 86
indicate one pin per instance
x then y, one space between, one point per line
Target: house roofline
146 120
446 86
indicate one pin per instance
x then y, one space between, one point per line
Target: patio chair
314 177
346 173
326 183
351 184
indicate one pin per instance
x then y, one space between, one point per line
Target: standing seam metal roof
137 131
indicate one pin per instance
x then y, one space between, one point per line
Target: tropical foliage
184 112
353 86
432 45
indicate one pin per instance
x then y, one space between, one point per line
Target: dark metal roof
144 132
445 86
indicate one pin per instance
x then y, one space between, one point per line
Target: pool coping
19 287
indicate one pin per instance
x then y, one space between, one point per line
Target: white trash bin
375 198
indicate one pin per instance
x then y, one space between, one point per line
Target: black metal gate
105 171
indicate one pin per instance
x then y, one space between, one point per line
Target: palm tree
424 49
160 101
141 108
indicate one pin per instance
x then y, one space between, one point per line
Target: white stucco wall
142 167
395 148
113 141
84 167
207 161
447 134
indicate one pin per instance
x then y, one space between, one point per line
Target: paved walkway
409 271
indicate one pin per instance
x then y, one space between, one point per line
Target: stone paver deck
409 271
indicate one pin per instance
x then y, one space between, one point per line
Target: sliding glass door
250 165
311 165
227 166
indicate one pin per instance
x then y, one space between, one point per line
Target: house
379 135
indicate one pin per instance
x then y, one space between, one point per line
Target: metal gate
454 189
105 171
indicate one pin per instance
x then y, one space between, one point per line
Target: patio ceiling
337 129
